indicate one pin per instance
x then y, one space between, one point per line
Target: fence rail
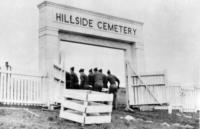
21 89
151 79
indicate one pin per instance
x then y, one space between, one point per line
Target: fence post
169 109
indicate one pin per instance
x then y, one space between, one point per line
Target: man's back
67 79
98 78
74 80
91 79
84 79
105 81
112 79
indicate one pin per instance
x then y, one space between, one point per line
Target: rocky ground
36 118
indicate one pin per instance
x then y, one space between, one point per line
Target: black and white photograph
100 64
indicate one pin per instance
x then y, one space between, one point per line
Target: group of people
95 80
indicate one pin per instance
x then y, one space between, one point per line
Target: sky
171 33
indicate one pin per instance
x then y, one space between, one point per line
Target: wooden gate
142 90
152 89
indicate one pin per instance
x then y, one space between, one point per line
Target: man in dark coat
73 79
83 80
112 79
91 78
105 81
98 80
67 79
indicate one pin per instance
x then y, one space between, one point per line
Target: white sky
171 32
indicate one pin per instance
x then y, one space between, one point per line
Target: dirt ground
36 118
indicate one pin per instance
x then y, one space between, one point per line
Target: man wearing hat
112 79
73 79
83 79
68 80
98 80
91 78
105 81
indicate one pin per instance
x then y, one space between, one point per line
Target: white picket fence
21 89
188 100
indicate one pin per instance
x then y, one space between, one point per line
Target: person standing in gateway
73 79
68 80
83 80
105 81
91 78
112 79
98 80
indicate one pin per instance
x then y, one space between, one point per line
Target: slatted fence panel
142 95
154 79
173 96
86 107
190 99
197 90
156 87
59 83
21 89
